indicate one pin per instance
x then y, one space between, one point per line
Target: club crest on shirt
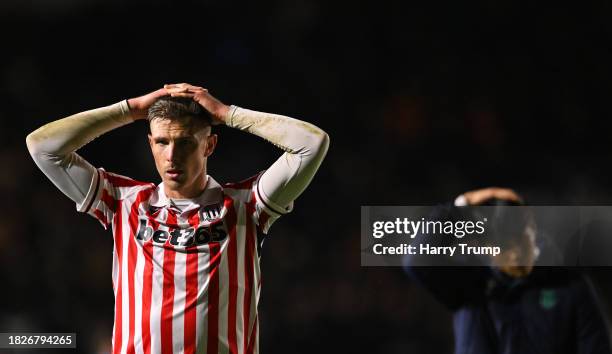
210 212
207 213
548 298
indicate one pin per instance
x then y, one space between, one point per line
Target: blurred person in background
510 304
186 272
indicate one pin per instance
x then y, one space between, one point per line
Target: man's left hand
216 108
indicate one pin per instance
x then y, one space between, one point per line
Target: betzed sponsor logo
183 237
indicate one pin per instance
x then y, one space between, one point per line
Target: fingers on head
181 94
177 89
184 86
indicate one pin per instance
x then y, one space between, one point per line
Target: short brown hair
168 107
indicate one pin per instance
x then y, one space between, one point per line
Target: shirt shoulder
109 187
242 190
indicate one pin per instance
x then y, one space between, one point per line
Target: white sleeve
53 147
305 146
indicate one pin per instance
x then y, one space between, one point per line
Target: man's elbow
40 146
319 142
32 142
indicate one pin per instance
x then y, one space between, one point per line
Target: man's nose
171 152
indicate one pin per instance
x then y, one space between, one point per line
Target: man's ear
150 140
211 143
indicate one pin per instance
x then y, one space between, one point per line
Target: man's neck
188 192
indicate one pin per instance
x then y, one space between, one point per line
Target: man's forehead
176 127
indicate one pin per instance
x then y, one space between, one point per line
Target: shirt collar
213 193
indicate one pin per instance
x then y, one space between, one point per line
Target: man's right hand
140 105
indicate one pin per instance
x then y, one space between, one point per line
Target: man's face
180 150
518 260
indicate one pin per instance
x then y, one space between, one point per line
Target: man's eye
162 142
184 143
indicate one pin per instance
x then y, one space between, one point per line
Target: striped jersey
186 273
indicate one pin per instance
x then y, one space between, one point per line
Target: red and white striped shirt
186 273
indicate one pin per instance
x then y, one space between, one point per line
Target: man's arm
305 145
457 280
53 145
450 280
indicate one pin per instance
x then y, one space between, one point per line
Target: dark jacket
551 311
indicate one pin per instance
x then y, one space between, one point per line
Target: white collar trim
213 193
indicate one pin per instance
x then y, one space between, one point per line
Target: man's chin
173 184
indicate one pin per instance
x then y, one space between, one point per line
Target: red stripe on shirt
119 251
263 220
263 216
232 255
131 261
252 338
191 291
245 184
108 199
152 219
213 298
95 193
248 271
100 216
147 286
121 181
168 293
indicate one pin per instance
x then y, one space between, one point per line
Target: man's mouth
174 173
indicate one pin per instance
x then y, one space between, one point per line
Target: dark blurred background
422 100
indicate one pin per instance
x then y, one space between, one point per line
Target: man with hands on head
510 304
186 274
